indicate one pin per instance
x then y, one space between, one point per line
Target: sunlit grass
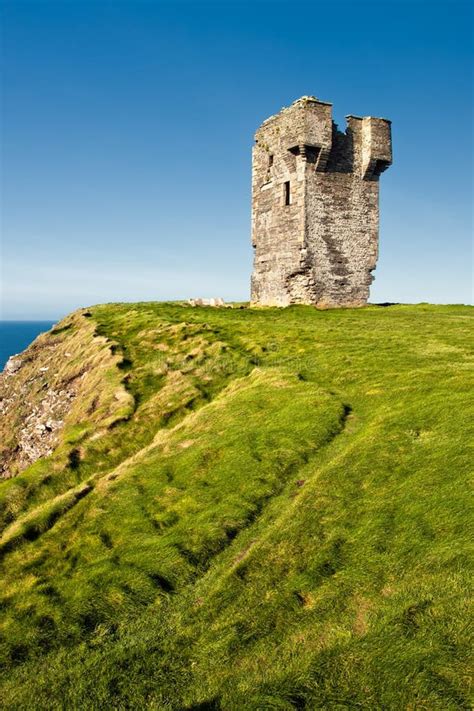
281 522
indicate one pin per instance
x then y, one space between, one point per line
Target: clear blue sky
128 125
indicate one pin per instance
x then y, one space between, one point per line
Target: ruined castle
315 213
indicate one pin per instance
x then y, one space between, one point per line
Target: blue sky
127 130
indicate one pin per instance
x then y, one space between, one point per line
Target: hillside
237 509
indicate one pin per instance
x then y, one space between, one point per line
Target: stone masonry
315 212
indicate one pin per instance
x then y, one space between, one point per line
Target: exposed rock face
13 364
54 386
43 409
315 208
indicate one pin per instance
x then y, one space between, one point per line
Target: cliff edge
237 509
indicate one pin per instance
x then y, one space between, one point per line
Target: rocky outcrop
39 392
44 409
209 302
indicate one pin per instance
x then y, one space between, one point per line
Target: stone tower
315 213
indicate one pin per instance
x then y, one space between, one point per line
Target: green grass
278 518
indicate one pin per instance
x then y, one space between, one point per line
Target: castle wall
322 247
342 237
278 229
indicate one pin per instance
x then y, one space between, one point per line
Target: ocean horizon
15 336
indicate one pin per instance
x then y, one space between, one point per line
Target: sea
15 336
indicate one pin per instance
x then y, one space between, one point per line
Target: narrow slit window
287 193
270 160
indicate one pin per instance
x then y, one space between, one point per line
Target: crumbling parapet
315 206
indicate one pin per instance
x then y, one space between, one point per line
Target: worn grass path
281 520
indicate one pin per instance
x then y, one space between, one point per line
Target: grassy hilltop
245 509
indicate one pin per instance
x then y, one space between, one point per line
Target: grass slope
280 521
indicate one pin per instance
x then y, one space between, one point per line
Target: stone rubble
209 302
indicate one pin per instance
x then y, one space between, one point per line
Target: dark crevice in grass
51 592
170 520
205 392
161 582
89 621
61 329
32 530
125 364
169 474
19 653
346 412
106 539
74 458
297 700
212 704
36 563
118 422
195 560
173 417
